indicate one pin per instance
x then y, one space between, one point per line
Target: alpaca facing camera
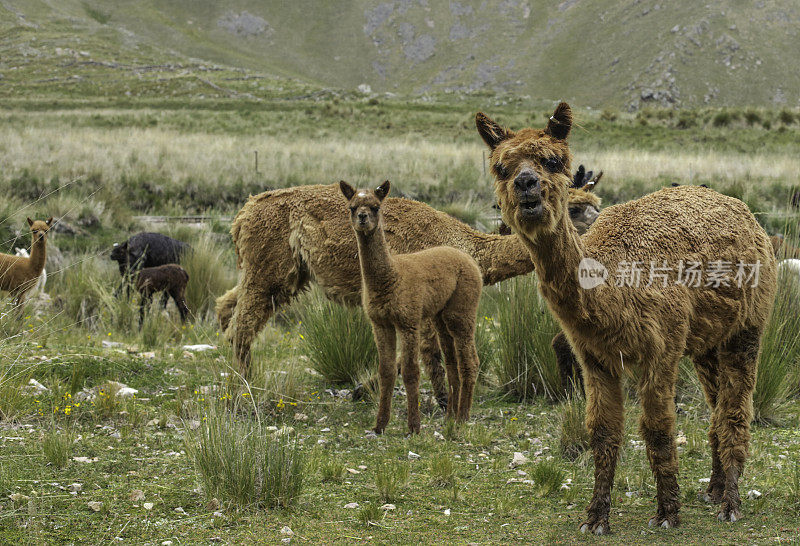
400 293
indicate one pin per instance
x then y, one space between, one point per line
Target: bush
525 365
786 117
338 340
721 119
752 117
244 463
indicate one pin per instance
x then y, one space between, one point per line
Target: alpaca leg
738 360
568 367
707 367
468 365
409 363
657 427
254 306
604 421
451 364
179 298
462 329
432 360
385 339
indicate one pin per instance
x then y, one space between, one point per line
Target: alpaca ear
49 221
560 122
383 190
592 184
491 132
580 177
30 222
347 190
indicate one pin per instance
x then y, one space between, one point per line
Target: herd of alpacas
418 273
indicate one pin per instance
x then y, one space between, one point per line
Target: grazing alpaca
42 280
613 328
286 239
147 249
170 279
19 275
400 292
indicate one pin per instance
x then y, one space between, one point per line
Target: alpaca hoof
597 528
665 524
371 435
729 515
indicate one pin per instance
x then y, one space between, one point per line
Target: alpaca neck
38 255
377 268
556 255
501 257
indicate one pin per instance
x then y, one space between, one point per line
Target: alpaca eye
353 209
574 211
501 170
552 164
374 210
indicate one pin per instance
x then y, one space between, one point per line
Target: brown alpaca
18 274
783 249
171 279
613 329
400 293
287 238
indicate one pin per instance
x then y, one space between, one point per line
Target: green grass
337 339
244 463
525 363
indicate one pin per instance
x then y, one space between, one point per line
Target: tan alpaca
18 274
287 238
613 329
400 292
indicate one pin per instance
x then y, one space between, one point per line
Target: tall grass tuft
56 447
210 274
338 340
525 364
391 479
779 365
244 463
574 435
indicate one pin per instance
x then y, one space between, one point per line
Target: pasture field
145 465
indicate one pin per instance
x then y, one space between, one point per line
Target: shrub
391 479
752 117
244 463
338 340
609 115
721 119
786 117
525 365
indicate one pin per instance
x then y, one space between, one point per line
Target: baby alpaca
400 293
18 275
39 288
170 279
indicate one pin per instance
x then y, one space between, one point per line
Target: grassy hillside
600 53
